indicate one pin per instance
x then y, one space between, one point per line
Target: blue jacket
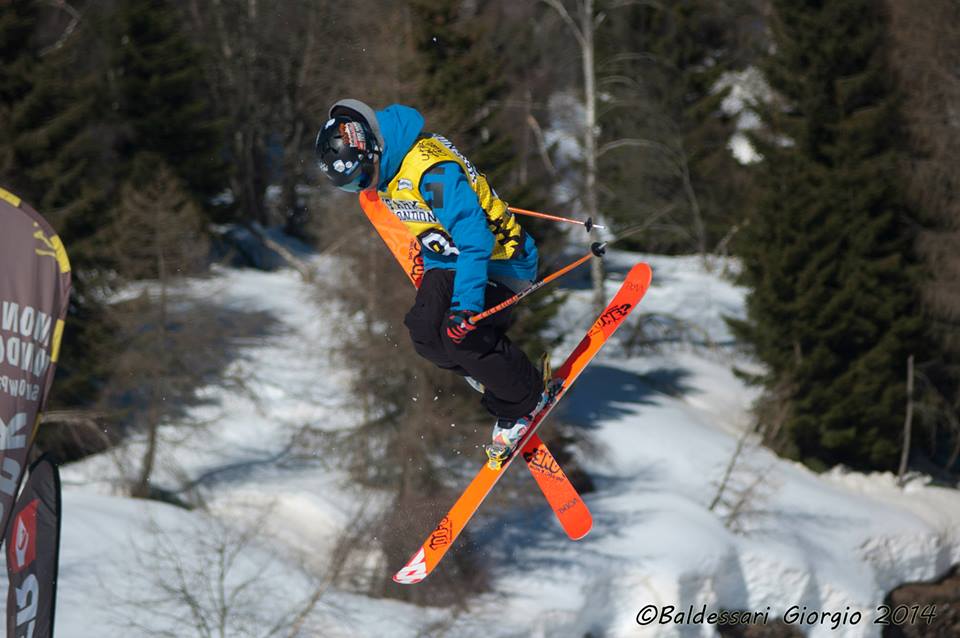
458 211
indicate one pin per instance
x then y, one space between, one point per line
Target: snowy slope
666 425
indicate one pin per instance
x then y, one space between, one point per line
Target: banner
401 242
33 549
34 292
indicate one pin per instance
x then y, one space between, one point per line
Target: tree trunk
597 271
142 488
908 422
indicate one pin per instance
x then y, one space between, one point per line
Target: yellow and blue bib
404 198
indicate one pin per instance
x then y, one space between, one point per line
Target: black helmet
348 146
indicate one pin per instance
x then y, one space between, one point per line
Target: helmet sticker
345 150
352 134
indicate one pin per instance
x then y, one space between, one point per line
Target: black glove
459 325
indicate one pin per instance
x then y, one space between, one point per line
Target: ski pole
596 250
532 213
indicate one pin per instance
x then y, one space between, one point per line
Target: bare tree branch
633 141
541 145
619 79
561 10
619 4
74 22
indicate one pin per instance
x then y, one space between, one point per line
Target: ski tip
580 533
414 571
643 272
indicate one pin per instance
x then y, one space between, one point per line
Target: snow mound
666 425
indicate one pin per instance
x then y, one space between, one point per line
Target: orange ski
564 499
566 503
439 541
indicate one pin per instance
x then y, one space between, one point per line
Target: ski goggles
359 182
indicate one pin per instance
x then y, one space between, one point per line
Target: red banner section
33 548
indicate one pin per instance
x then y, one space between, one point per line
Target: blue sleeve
446 189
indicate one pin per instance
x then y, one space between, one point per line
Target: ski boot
507 433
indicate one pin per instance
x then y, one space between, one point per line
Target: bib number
439 242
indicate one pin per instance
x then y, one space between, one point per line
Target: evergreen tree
161 97
55 158
156 234
56 155
459 81
675 170
832 310
17 59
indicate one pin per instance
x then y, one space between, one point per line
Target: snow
664 425
563 137
747 88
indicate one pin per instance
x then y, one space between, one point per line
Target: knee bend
422 331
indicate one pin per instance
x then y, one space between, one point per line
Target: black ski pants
513 384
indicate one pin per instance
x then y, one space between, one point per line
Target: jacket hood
400 125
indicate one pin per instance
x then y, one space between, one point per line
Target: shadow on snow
606 393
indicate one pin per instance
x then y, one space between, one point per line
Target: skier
475 253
